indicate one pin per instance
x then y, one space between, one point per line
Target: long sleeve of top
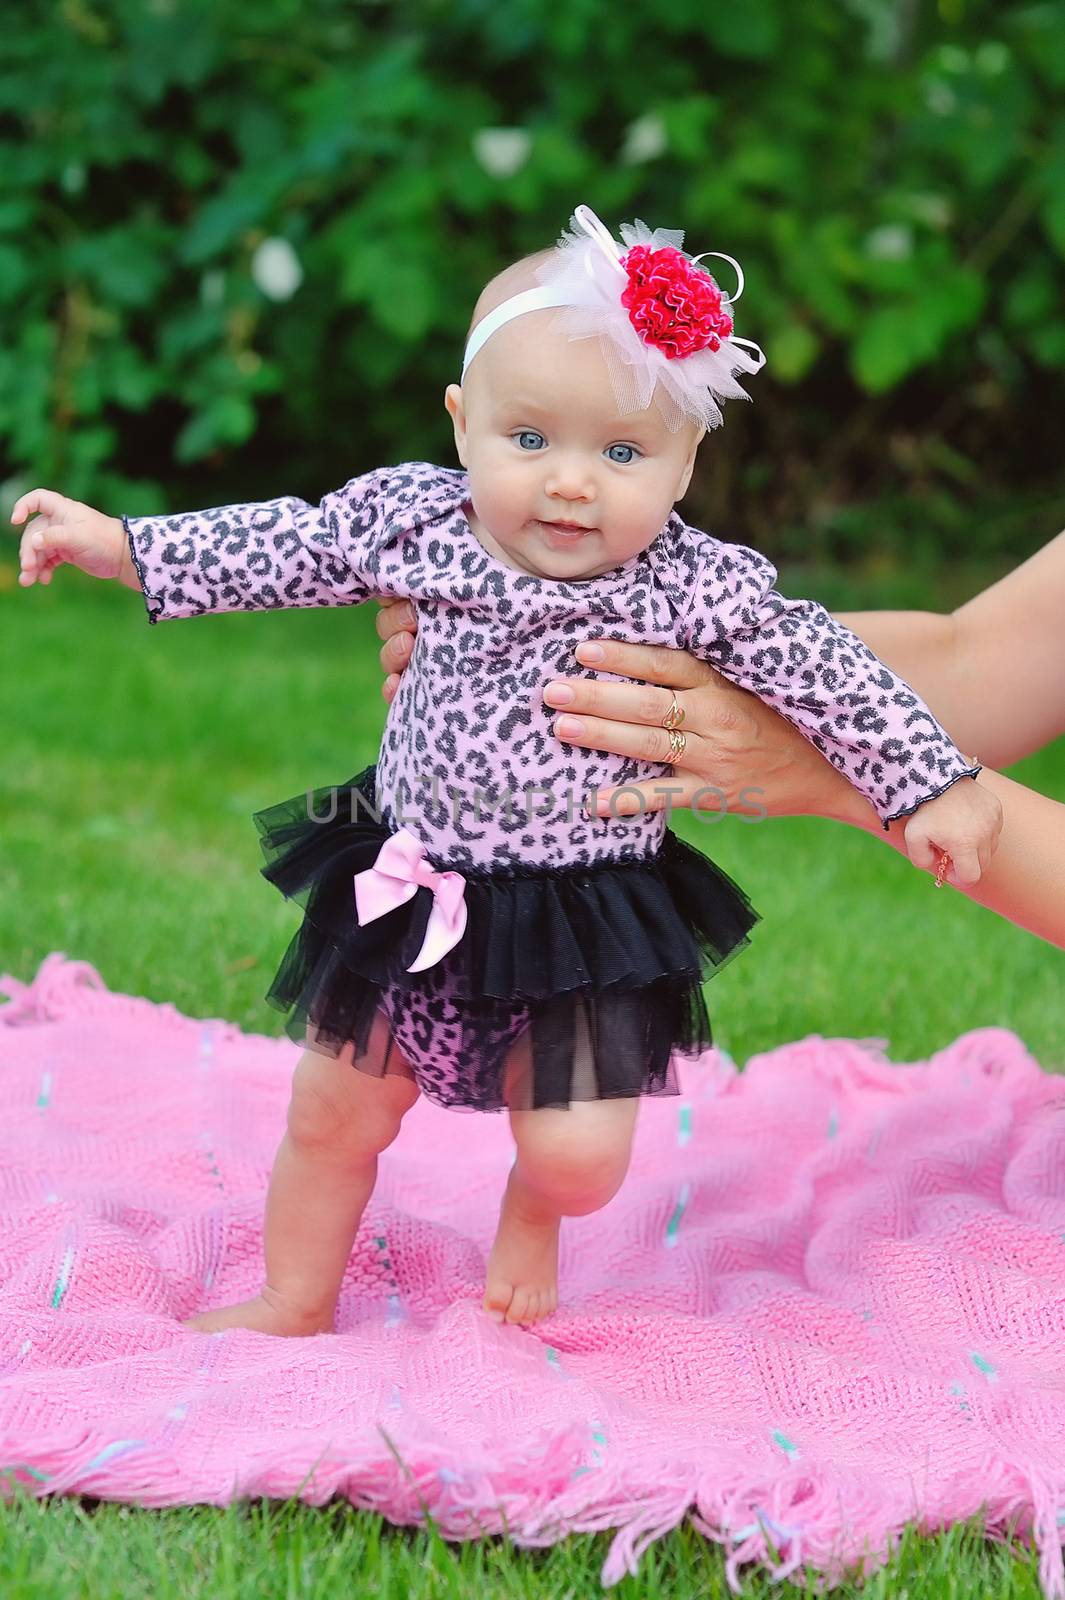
819 675
267 556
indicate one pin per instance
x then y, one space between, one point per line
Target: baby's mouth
567 530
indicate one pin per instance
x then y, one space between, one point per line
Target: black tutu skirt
568 984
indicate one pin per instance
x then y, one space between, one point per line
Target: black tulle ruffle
602 964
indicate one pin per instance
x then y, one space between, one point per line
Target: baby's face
537 429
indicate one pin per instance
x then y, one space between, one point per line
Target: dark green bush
891 175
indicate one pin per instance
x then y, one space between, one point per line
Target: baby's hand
965 822
66 530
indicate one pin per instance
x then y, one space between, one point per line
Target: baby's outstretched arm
62 530
264 556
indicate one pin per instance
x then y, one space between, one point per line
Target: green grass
134 757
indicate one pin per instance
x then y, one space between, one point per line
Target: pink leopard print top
469 761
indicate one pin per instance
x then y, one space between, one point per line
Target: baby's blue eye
531 433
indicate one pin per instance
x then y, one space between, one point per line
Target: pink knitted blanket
828 1300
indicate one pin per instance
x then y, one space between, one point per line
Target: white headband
664 324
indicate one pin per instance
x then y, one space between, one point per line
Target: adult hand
396 622
739 754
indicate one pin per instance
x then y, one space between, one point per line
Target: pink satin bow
396 875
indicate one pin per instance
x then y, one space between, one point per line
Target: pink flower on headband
672 304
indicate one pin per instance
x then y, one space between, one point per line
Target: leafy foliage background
240 244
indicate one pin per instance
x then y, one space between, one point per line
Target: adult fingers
653 663
393 617
619 702
620 738
395 652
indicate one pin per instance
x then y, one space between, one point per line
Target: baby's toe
543 1306
498 1299
520 1306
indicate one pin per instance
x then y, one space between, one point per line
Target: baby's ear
456 411
685 479
689 465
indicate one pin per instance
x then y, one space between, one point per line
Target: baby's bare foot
522 1280
263 1315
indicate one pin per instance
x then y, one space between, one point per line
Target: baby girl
470 931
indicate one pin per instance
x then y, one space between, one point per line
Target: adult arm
994 669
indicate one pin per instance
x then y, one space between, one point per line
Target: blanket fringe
778 1522
62 988
52 993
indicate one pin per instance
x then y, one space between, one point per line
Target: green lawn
134 757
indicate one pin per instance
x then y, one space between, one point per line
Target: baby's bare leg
570 1161
339 1120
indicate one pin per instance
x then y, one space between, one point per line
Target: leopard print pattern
469 760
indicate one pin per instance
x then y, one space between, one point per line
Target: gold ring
941 870
677 741
675 715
